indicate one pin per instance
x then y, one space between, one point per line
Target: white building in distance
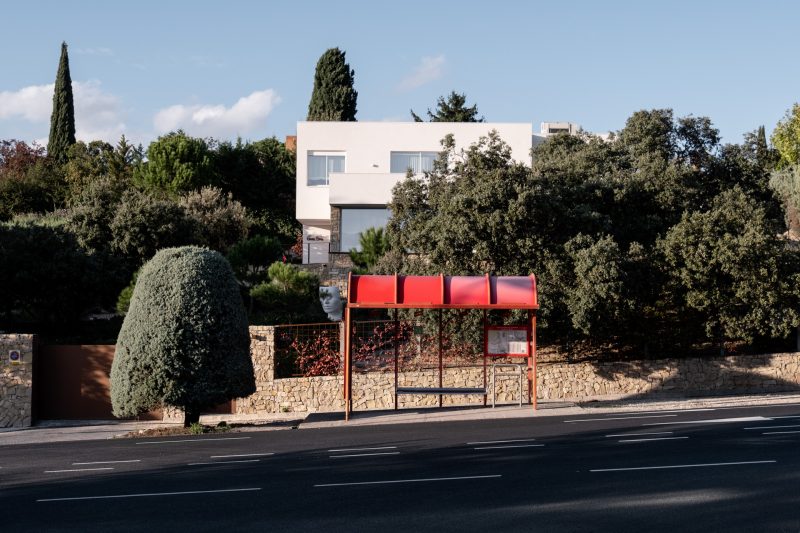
346 170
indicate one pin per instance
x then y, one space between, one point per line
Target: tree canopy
62 120
334 96
451 109
185 341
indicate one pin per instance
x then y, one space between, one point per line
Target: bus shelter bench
440 390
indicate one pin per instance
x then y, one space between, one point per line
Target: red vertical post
348 388
396 355
485 355
441 366
532 386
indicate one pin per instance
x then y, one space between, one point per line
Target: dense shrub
184 342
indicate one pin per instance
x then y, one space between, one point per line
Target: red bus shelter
443 292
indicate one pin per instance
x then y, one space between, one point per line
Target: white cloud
98 114
97 51
247 114
34 103
429 69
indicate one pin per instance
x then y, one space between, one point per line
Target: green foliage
218 220
786 137
62 121
29 182
374 243
45 276
786 184
185 341
589 218
729 267
596 299
452 109
124 299
290 296
333 97
177 163
144 223
250 258
99 160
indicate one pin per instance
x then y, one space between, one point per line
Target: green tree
290 296
786 137
786 184
452 109
62 121
184 342
261 175
45 276
731 270
251 257
177 163
218 220
144 223
374 243
333 97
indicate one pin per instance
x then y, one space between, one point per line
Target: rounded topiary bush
185 341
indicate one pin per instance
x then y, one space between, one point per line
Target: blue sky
245 68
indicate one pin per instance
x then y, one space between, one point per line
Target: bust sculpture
331 302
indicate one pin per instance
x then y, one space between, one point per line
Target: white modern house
346 171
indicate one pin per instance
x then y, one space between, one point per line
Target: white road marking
680 466
364 454
241 455
665 411
650 440
190 440
226 462
108 462
640 434
145 494
774 427
779 432
714 421
78 470
499 441
793 416
512 446
408 481
616 418
363 449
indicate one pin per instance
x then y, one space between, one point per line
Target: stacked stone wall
16 381
561 381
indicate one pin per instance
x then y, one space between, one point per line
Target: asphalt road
723 469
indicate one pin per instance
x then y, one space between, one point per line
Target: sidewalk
76 430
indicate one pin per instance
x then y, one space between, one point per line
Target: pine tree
62 121
452 109
333 98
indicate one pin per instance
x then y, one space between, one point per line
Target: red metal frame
442 292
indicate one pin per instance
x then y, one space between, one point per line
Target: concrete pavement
77 430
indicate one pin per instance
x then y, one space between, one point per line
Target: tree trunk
190 416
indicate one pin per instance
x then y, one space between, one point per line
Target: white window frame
417 153
325 154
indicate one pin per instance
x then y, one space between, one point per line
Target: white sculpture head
331 302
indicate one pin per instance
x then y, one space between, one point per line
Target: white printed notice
508 341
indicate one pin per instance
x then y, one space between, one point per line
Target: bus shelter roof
442 292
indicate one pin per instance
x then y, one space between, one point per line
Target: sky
245 68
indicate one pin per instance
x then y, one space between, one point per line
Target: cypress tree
62 121
333 97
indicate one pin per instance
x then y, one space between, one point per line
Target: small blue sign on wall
15 357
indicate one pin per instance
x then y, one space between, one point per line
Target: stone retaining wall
572 382
16 381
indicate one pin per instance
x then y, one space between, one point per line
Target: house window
321 164
356 221
418 162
